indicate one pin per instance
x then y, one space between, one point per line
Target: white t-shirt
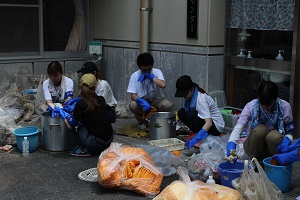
147 89
104 89
57 94
207 108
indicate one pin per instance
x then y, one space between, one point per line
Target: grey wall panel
130 66
171 66
215 73
8 70
196 67
115 71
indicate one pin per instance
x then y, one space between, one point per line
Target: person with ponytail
93 132
200 113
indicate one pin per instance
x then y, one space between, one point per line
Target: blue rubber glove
150 76
295 145
287 158
50 108
72 101
202 134
72 121
142 102
56 112
284 144
63 114
142 77
69 108
230 146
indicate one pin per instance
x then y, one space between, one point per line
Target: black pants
195 123
112 117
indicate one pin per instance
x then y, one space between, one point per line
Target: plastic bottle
279 56
25 145
242 53
210 180
249 54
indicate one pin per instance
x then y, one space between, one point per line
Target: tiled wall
204 64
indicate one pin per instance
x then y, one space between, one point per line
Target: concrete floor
54 175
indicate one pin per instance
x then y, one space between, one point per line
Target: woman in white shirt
200 113
102 89
57 88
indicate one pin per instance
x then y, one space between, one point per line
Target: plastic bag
214 142
122 109
204 164
128 168
165 161
184 188
256 185
240 152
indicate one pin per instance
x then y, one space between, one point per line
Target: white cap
25 138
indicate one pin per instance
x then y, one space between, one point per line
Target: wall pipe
144 24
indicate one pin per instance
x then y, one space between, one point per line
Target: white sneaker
142 126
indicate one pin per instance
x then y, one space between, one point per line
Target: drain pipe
144 24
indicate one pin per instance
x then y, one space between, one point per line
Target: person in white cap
102 89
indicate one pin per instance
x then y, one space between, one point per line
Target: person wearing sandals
93 132
200 113
102 89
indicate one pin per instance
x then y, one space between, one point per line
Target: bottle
279 56
210 180
249 54
242 53
25 145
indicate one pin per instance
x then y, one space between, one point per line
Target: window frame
41 53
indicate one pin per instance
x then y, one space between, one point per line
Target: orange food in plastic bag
176 153
129 168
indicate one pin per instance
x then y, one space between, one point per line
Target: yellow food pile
184 188
128 168
201 191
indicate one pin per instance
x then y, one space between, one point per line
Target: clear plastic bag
184 188
214 142
256 185
165 161
204 164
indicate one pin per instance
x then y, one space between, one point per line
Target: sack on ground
129 168
184 188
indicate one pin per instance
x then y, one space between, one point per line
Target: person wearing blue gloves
93 132
145 87
57 88
102 89
200 113
271 124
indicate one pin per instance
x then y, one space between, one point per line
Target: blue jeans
86 140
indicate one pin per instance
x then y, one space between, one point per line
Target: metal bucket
56 135
162 125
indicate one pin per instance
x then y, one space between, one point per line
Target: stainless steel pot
162 125
56 135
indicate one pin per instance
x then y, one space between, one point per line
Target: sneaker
80 152
142 126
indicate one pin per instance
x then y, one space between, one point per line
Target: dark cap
183 84
88 67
